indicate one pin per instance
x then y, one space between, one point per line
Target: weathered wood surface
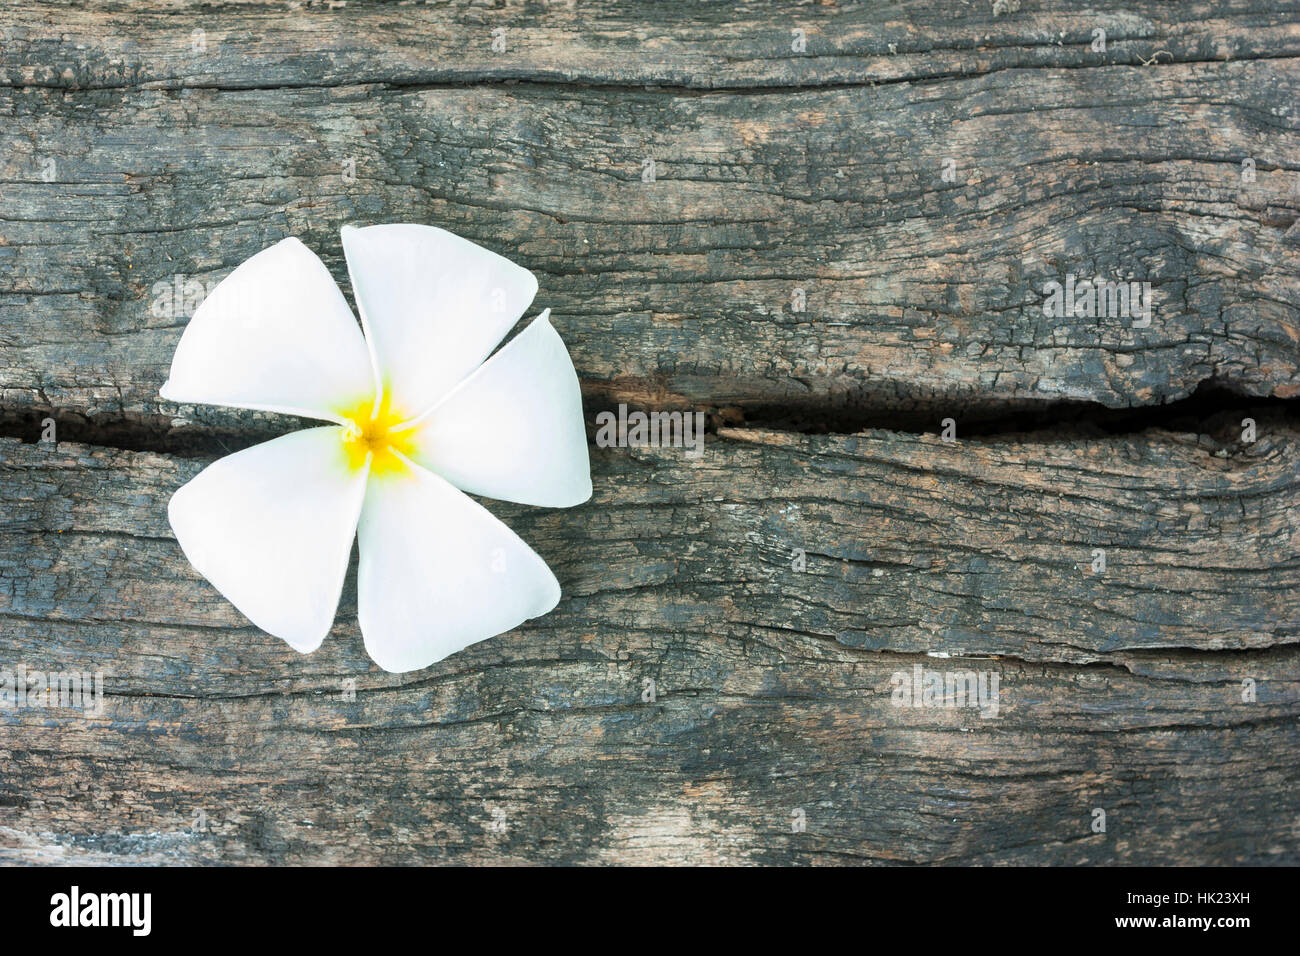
908 544
129 156
921 295
767 703
745 45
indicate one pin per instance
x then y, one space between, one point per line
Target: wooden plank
536 759
773 688
726 660
612 42
908 543
922 297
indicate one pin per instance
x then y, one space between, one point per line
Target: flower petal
514 429
272 526
438 572
434 305
277 335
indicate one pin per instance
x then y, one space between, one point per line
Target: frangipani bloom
418 418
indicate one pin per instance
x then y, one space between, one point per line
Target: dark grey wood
675 43
770 590
772 686
922 297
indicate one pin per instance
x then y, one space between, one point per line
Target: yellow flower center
371 433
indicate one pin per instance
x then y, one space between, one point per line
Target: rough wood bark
773 687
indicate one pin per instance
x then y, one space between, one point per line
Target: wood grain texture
773 686
922 296
743 45
771 590
909 544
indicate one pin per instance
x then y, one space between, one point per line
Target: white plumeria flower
417 414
